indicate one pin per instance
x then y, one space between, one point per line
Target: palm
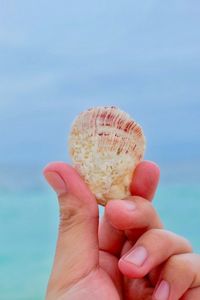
107 284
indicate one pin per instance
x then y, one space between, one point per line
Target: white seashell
105 146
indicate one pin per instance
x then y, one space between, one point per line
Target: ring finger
179 274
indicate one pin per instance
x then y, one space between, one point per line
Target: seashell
106 145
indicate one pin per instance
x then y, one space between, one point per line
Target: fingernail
130 206
137 256
162 292
56 182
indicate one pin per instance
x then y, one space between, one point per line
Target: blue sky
58 58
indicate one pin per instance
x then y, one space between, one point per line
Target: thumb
77 237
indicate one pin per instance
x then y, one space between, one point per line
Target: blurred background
59 58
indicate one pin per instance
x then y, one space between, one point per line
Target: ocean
28 228
59 58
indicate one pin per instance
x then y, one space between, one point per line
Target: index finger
144 184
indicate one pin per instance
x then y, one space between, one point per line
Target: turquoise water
28 225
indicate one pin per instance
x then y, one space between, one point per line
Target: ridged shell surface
106 145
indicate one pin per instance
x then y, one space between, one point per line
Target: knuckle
184 245
146 207
68 218
188 245
174 262
71 212
156 235
149 210
180 264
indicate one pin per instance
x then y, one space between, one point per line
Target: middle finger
152 249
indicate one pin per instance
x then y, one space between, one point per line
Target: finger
134 216
110 239
192 294
132 213
145 180
78 225
152 248
146 176
109 263
180 273
126 247
137 289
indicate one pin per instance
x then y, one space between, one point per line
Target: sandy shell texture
106 145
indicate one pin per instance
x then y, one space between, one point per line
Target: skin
128 255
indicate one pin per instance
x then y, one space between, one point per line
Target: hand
88 264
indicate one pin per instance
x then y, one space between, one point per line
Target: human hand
88 264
